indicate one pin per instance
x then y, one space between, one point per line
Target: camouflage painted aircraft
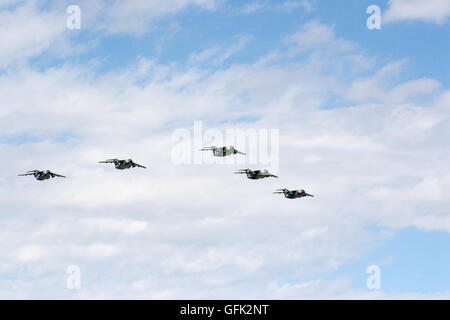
256 174
222 151
294 194
123 164
41 175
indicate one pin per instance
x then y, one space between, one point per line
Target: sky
358 117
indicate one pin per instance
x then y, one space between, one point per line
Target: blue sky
363 120
173 40
412 261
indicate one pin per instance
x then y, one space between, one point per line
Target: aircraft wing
138 165
243 171
58 175
108 161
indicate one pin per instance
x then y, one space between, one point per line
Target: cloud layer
372 149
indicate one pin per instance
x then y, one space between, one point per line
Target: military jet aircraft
294 194
256 174
123 164
222 151
41 175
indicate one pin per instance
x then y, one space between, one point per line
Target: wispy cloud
254 6
26 32
286 6
290 5
316 35
217 55
135 16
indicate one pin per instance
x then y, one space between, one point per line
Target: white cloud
290 5
135 16
286 6
217 55
254 6
30 253
99 251
25 32
126 226
204 55
314 35
380 88
437 11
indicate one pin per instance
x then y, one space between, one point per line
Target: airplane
123 164
256 174
294 194
41 175
222 151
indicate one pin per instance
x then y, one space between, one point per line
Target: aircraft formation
217 152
